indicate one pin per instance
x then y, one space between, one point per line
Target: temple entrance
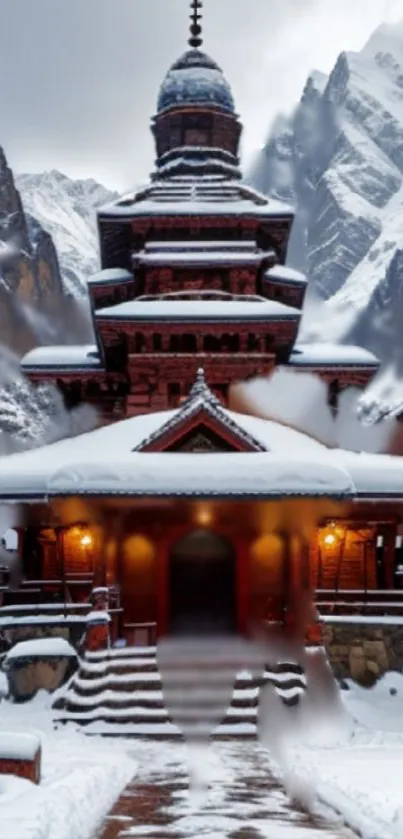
202 585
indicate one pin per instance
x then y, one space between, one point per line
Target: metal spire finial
196 39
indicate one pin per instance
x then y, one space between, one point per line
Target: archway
202 585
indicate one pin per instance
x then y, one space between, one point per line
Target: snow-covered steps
122 692
134 692
288 680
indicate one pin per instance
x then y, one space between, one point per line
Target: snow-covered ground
81 779
352 764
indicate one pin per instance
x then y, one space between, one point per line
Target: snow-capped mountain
33 310
66 209
32 416
339 159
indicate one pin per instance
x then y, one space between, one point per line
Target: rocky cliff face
339 159
29 263
29 267
66 209
34 310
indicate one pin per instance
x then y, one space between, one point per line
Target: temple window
253 343
139 342
174 343
211 343
189 343
174 392
157 343
268 342
230 343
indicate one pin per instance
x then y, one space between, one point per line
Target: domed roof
195 79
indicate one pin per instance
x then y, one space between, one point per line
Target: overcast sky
79 78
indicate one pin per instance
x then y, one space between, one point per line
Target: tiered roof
332 355
196 196
172 309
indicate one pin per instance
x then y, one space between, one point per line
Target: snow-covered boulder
40 664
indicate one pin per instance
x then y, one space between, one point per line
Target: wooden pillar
242 586
119 532
305 554
162 560
61 564
389 553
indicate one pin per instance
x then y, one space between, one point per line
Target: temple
193 271
190 517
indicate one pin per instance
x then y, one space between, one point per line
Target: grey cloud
79 78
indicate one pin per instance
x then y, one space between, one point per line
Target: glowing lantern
331 536
86 540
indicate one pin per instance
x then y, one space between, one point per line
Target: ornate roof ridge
201 396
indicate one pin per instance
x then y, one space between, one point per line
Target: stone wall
363 651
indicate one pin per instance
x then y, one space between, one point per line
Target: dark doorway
202 585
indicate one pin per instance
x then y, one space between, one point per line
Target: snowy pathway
243 800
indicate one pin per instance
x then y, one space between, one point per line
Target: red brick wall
28 769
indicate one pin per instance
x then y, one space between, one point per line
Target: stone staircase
126 692
120 692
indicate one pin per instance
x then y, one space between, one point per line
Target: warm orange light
204 516
86 541
331 536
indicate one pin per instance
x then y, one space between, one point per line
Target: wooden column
162 547
242 586
389 552
61 564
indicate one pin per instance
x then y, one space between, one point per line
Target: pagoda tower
193 269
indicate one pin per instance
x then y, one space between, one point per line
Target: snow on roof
197 196
199 310
106 461
201 245
16 746
283 272
195 80
102 462
201 256
65 356
317 354
41 648
110 276
375 475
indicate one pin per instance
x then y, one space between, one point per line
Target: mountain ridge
339 159
66 208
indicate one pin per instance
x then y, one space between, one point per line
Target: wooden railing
359 602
